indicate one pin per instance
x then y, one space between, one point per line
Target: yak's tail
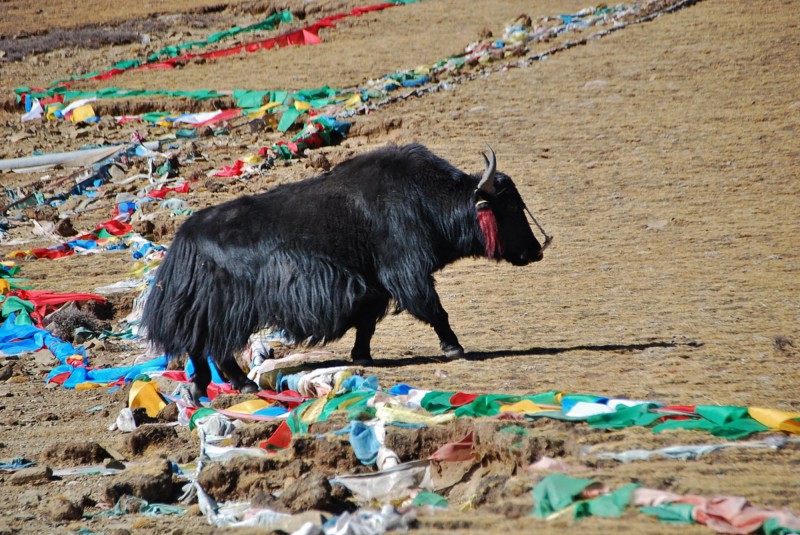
183 313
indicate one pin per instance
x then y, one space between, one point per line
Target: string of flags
370 410
324 100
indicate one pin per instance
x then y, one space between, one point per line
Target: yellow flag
81 113
777 419
250 406
525 406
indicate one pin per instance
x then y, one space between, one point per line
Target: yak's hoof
195 392
453 352
247 387
361 360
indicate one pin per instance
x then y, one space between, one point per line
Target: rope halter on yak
486 219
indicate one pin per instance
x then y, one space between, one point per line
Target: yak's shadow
397 362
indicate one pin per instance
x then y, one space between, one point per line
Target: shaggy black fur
324 255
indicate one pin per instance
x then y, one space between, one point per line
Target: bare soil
664 158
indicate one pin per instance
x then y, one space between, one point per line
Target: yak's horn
487 180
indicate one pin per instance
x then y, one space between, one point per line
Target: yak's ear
487 180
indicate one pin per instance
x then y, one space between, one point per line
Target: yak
330 253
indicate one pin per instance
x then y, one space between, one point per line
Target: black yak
318 257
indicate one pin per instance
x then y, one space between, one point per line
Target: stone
168 413
257 125
44 358
76 453
64 228
113 464
33 475
145 228
114 453
60 509
310 491
150 481
76 133
319 161
150 435
6 371
116 172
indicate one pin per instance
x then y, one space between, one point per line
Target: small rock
310 491
257 125
78 134
18 379
145 228
60 508
64 228
141 417
43 358
6 371
113 464
81 497
115 454
250 435
33 475
168 413
116 172
151 482
319 161
76 453
141 438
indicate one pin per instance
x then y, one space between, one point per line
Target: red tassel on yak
488 223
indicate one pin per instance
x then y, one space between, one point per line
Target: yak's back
391 168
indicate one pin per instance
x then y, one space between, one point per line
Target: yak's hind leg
234 374
365 318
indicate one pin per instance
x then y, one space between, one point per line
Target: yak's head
501 214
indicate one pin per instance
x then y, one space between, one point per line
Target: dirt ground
664 158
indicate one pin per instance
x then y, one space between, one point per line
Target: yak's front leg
202 376
428 308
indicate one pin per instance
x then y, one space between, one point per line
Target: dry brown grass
663 158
